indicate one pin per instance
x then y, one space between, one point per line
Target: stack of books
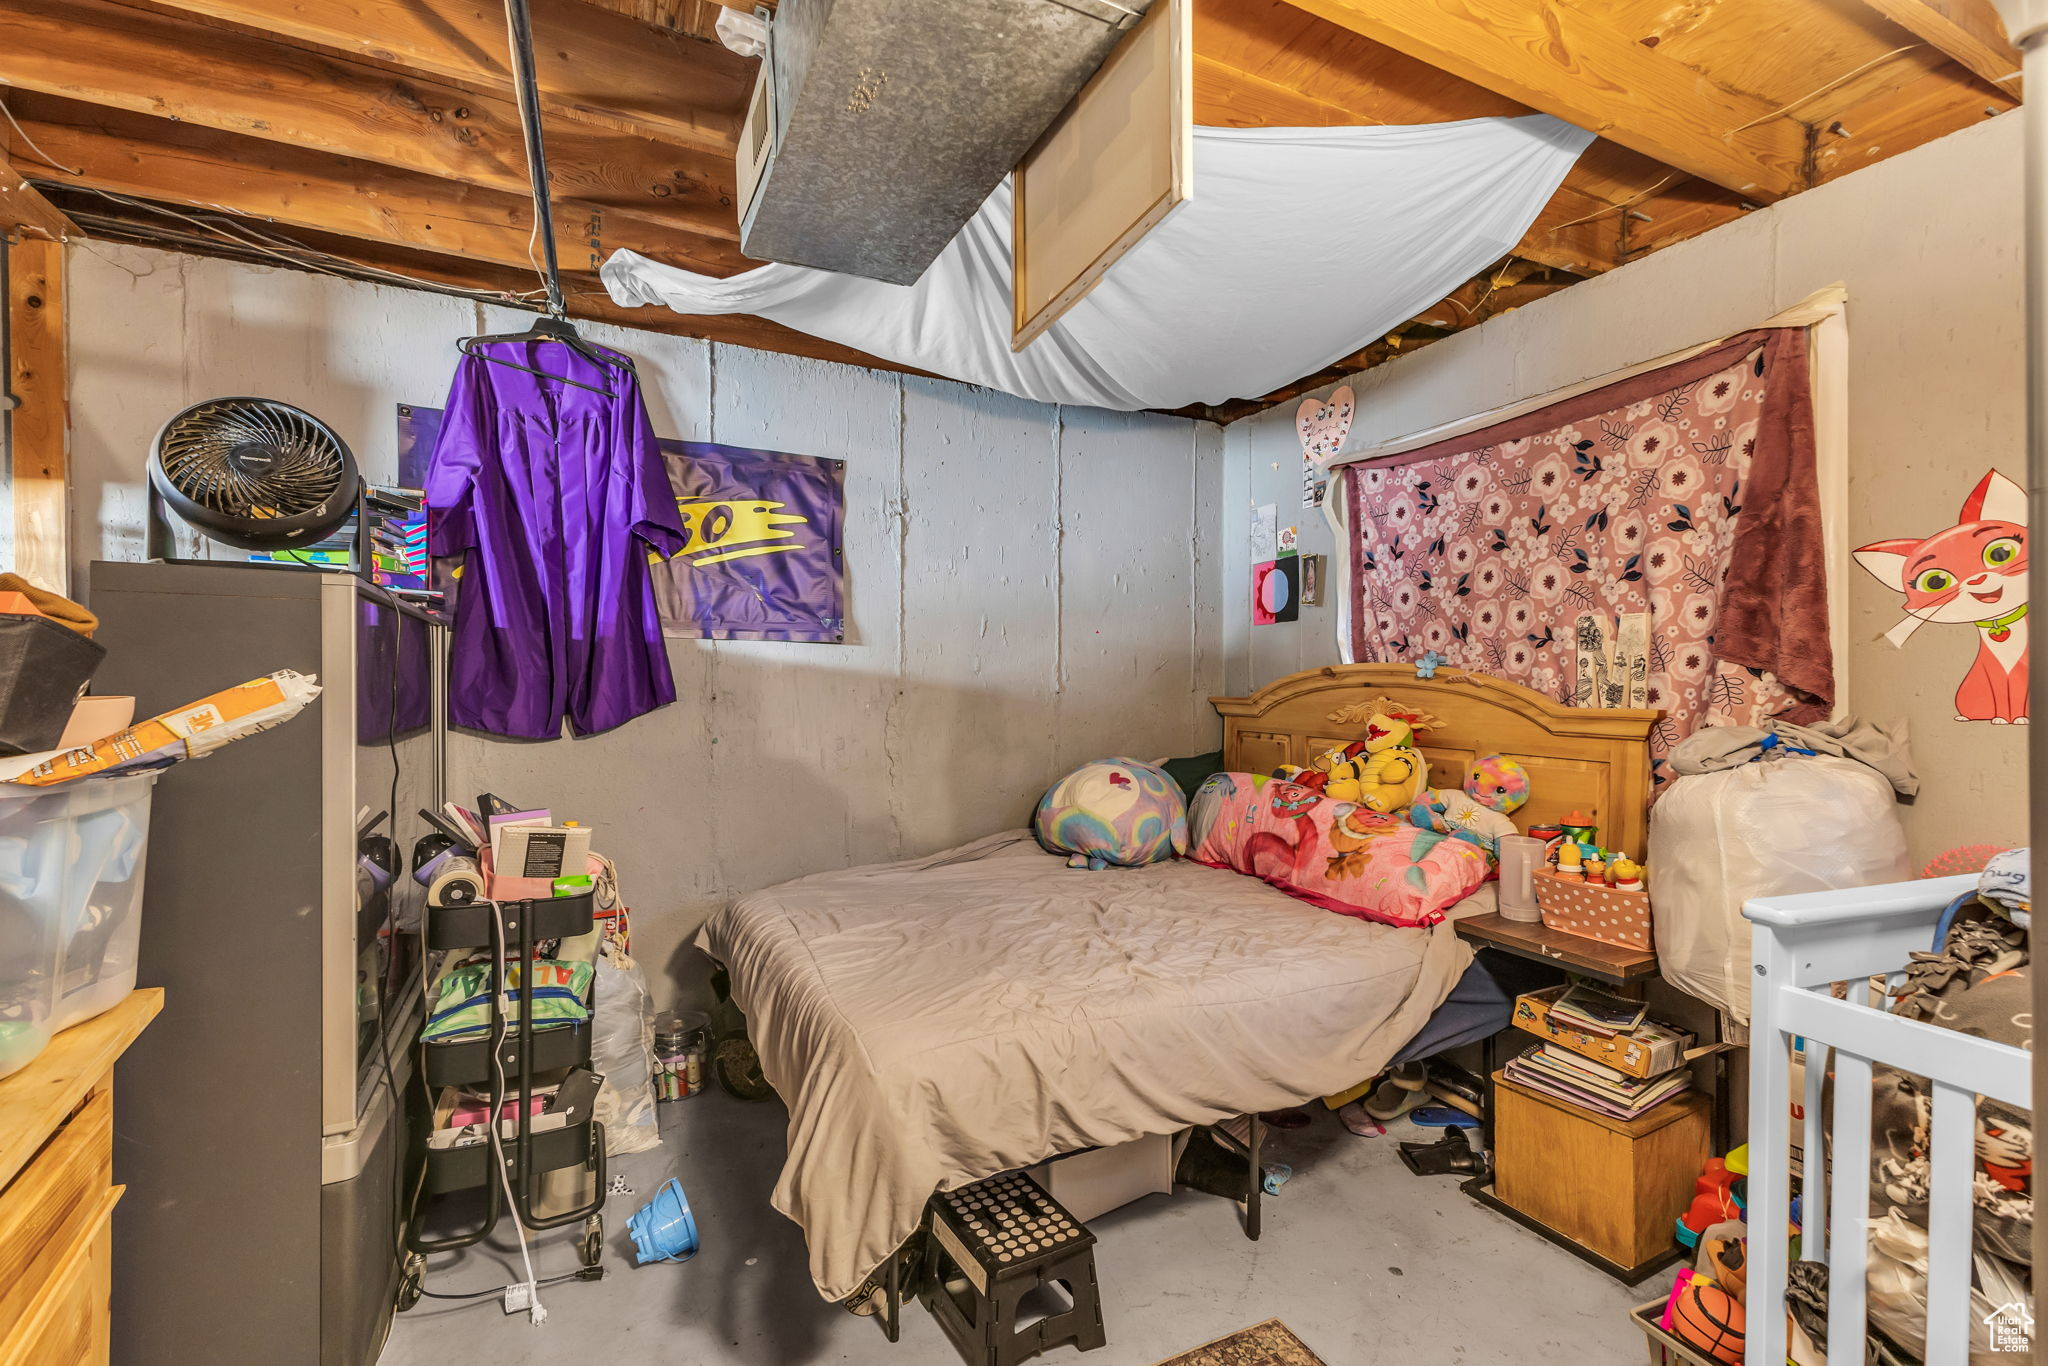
1566 1073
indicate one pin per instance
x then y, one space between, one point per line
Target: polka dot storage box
1594 911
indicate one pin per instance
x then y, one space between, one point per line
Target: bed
932 1022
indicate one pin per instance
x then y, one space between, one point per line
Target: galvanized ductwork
894 119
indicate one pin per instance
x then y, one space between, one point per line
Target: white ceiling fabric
1300 246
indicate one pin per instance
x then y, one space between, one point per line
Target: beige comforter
937 1021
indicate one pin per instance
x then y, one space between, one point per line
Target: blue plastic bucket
664 1230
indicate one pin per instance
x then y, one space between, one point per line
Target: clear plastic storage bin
71 863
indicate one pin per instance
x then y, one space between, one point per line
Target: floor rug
1265 1344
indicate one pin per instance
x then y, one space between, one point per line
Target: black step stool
989 1244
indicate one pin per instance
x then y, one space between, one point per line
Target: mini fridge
261 1127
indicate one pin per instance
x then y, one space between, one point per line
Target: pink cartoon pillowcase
1333 854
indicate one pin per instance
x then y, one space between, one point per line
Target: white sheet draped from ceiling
1300 246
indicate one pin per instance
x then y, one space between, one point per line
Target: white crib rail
1800 945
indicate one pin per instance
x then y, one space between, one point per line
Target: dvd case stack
397 544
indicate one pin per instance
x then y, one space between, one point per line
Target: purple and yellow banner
764 558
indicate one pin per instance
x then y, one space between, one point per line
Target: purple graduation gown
557 494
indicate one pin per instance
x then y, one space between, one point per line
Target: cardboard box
1652 1049
1102 1179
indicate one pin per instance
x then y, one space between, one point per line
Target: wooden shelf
1539 943
38 1098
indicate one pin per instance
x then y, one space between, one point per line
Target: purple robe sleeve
656 519
452 469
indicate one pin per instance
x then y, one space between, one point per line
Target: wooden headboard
1582 759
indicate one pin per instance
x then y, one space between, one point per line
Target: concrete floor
1366 1263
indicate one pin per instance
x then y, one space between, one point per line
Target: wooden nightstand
1610 1186
57 1192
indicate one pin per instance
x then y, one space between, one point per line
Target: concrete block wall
1031 586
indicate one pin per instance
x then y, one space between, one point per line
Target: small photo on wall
1276 591
1311 581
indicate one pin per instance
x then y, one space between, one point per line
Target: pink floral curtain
1687 492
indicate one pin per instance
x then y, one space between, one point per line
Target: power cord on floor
586 1273
536 1312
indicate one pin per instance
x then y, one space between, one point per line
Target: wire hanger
554 326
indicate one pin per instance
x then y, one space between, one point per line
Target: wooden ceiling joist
24 207
357 258
593 64
1566 61
91 50
178 163
1967 31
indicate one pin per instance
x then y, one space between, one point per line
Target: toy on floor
1718 1196
664 1230
1705 1317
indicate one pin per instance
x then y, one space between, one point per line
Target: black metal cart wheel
410 1279
590 1247
738 1069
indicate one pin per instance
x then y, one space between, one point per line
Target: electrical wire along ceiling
1301 245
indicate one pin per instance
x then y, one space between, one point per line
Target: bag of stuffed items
1364 837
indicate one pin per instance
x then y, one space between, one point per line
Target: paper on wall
1265 533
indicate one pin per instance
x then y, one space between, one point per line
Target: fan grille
253 459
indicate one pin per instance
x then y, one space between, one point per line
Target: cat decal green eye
1968 575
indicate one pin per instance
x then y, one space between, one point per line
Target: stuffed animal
1113 811
1456 814
1390 780
1498 782
1383 772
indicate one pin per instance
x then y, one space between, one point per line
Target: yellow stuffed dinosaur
1385 776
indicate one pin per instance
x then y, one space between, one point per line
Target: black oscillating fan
251 473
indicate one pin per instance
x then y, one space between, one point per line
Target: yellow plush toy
1390 780
1383 772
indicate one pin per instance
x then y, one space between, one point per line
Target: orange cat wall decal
1974 572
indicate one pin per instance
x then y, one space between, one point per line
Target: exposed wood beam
1968 31
593 64
1573 233
1567 62
587 299
266 181
1940 102
39 428
95 51
22 206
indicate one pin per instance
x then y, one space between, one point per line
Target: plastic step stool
990 1244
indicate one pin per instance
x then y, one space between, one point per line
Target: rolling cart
522 1055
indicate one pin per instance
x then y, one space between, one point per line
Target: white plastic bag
622 1048
1796 824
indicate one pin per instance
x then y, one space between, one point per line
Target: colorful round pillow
1113 812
